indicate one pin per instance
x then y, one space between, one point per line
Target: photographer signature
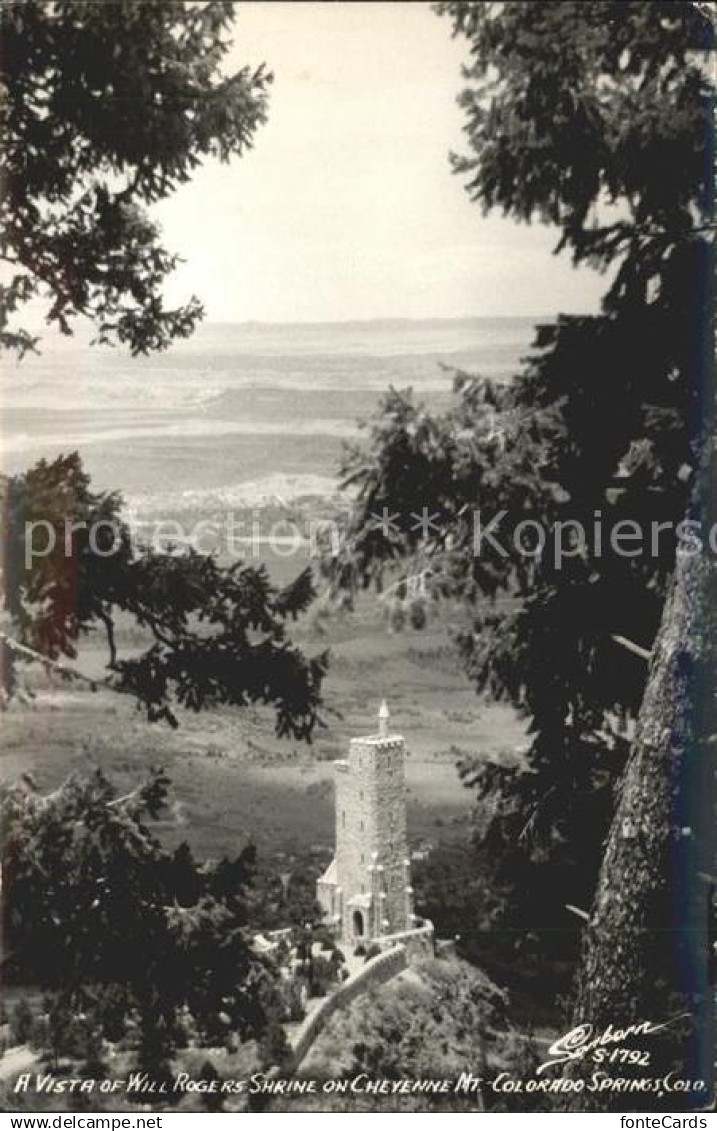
583 1040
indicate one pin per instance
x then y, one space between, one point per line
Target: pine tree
109 108
594 117
96 912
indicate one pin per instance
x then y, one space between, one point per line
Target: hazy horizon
345 210
396 320
52 335
238 407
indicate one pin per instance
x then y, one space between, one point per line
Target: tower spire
383 718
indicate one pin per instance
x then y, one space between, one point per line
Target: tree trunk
647 947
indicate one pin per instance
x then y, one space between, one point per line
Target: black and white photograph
358 616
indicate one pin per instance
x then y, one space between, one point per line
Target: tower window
343 818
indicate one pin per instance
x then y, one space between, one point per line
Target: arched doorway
358 925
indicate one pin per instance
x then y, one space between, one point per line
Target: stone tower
366 891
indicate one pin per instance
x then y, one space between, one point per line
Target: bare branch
62 669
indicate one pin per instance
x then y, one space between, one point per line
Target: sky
346 207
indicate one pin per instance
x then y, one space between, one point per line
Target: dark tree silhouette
596 118
108 109
101 916
217 633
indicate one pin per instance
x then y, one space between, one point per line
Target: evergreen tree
92 913
109 108
595 118
217 634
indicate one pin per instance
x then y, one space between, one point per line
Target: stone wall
418 942
352 857
375 972
386 791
